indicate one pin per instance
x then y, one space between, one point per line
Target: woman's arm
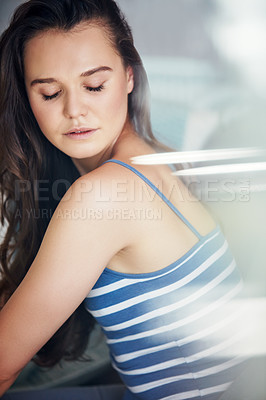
5 384
74 251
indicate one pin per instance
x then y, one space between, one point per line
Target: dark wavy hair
28 160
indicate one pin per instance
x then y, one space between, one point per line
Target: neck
86 165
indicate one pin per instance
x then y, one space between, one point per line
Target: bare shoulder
172 187
102 186
100 199
124 181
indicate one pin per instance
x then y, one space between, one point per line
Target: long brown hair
28 160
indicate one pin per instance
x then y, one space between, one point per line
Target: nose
75 106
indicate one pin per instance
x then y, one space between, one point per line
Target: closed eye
53 96
89 88
94 89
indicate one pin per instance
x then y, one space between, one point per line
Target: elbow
7 376
6 381
9 367
4 378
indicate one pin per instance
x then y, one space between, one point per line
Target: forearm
6 383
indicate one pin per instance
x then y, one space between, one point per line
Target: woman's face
78 90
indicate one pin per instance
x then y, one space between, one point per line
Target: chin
83 155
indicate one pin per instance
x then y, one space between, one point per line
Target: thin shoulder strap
168 202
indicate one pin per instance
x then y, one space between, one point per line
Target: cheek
38 114
36 109
116 103
41 117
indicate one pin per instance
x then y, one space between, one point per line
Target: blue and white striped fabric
173 333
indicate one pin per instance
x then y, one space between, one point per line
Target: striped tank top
173 334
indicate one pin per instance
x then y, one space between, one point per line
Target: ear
130 79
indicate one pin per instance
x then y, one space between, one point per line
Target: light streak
197 156
222 169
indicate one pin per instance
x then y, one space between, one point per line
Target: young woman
86 231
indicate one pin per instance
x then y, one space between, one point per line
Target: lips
79 131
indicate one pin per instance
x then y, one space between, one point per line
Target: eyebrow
84 74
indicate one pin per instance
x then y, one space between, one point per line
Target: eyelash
90 89
96 89
53 96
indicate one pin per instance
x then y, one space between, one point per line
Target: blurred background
206 64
